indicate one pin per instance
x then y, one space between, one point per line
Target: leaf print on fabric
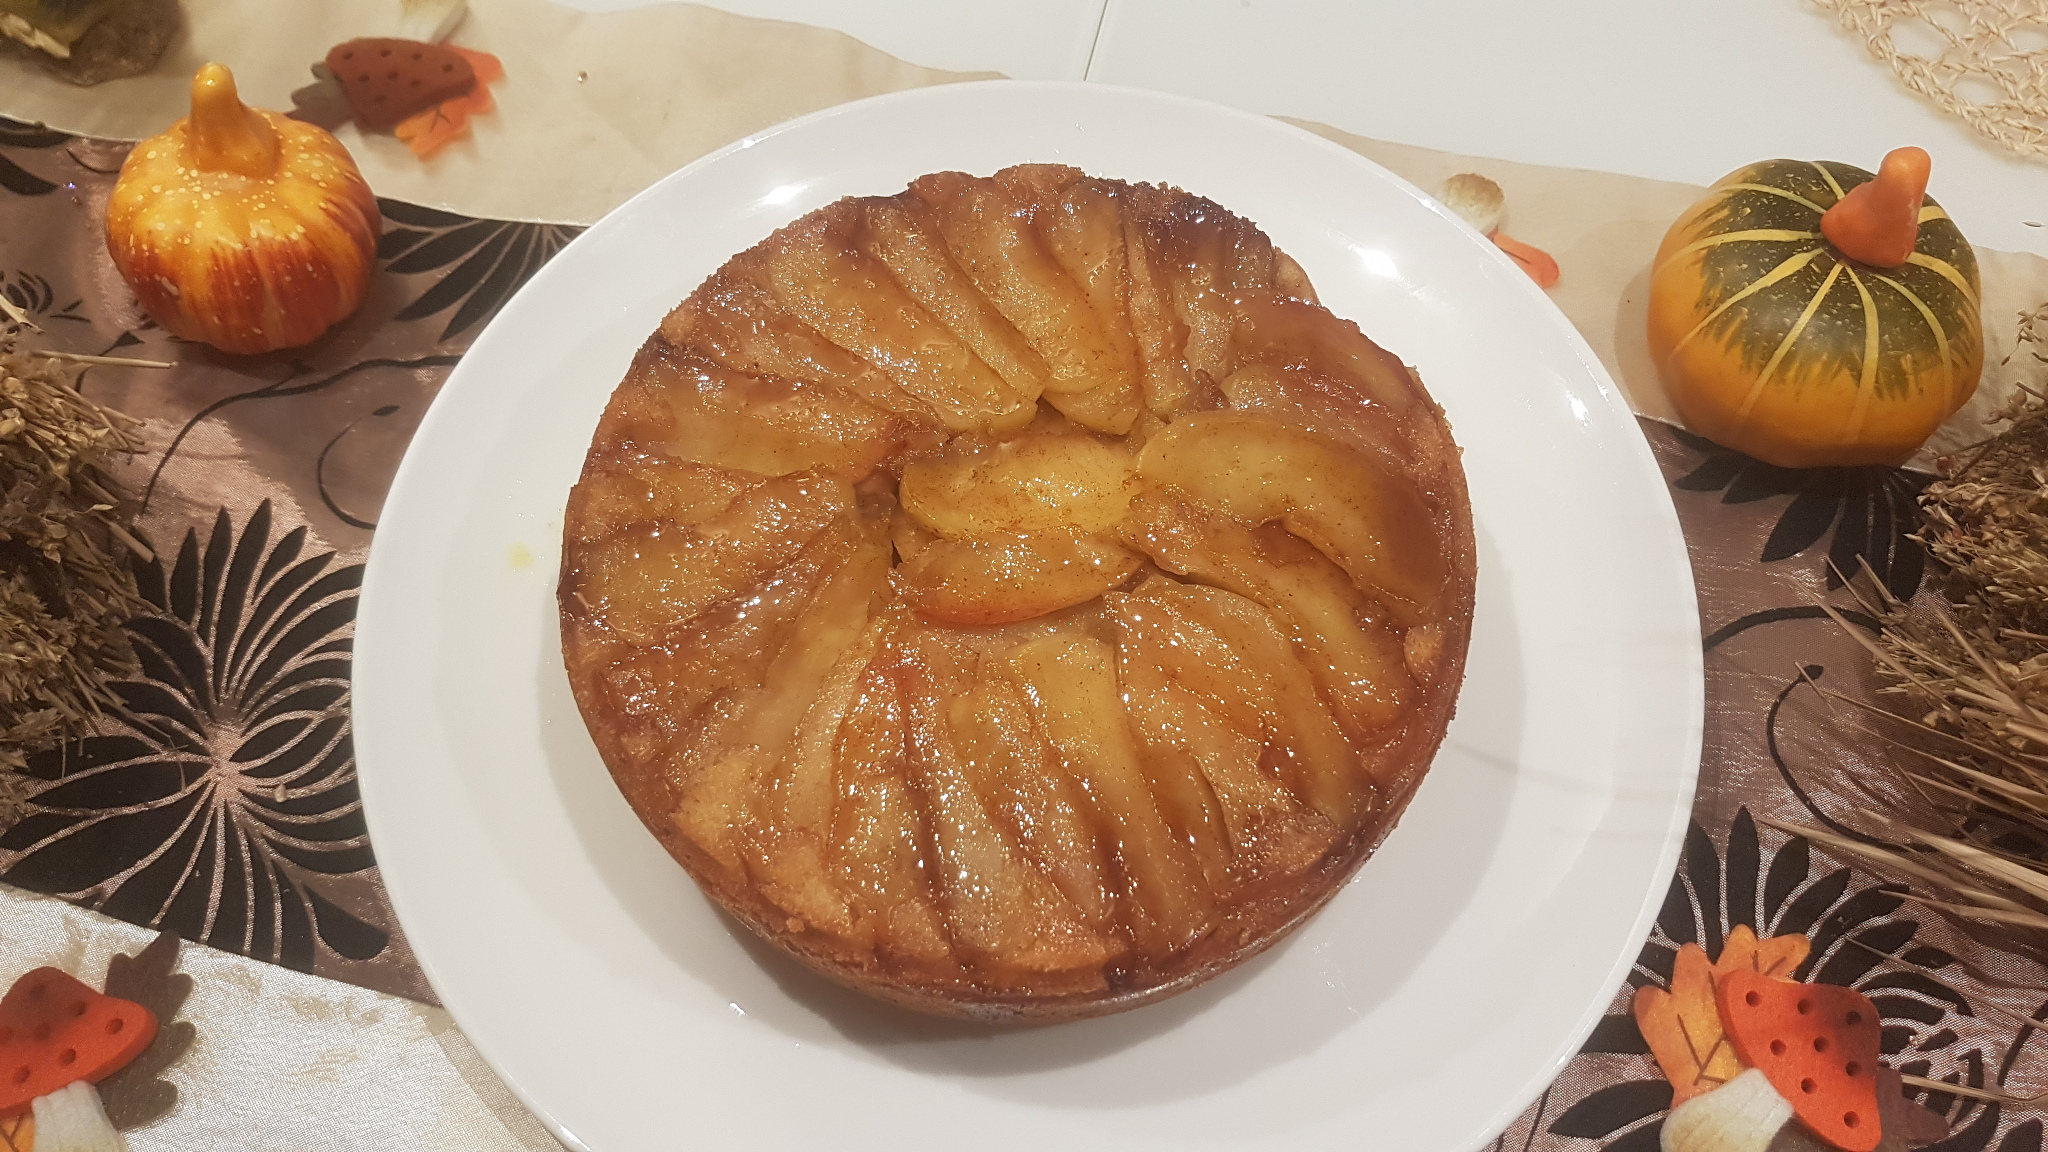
226 784
37 299
495 258
1858 941
1614 1108
291 385
1872 512
320 470
13 176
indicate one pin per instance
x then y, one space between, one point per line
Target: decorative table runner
219 805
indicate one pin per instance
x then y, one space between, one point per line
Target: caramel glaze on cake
1017 597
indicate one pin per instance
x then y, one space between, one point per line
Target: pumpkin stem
1878 222
228 135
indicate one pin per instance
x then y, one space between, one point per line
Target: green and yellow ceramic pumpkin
1773 340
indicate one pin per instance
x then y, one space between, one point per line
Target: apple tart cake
1017 597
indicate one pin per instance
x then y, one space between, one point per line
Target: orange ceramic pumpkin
242 228
1772 340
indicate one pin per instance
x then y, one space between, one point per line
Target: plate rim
1672 549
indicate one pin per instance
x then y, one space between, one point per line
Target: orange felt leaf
1531 259
1683 1025
18 1133
488 68
428 132
1818 1045
1778 956
1683 1028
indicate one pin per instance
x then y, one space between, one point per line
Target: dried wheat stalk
1972 736
65 583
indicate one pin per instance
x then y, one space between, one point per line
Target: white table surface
1671 89
1022 39
1668 89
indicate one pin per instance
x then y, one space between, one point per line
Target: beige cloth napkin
286 1062
593 107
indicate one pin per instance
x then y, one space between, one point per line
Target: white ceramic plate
1429 1002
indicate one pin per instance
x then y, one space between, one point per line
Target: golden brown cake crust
1016 598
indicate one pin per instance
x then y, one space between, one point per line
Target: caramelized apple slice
639 488
1325 406
1185 795
790 856
1036 185
1290 279
1272 328
990 234
740 324
920 263
1272 836
849 297
726 649
763 723
742 740
1159 332
1083 224
909 536
1357 662
654 576
1231 657
770 425
1018 776
882 857
1204 254
1012 923
1035 483
1369 520
1003 578
1072 684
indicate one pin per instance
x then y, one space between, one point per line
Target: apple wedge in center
1003 578
1369 520
1055 479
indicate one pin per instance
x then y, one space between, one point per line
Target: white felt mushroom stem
72 1120
1477 200
1739 1116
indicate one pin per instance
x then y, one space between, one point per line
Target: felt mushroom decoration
407 81
1761 1063
59 1037
1480 203
1818 1046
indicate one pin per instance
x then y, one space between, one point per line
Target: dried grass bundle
65 585
1972 735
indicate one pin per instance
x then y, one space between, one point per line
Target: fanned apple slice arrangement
1017 596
